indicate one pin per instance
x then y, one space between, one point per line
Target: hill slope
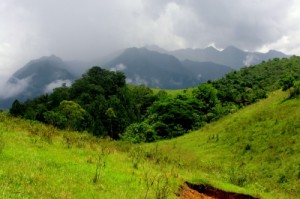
255 150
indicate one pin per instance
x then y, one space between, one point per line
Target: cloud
87 30
118 67
14 87
57 83
250 59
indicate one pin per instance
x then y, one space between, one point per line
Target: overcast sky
87 29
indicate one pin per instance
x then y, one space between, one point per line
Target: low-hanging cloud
14 87
119 67
250 59
57 83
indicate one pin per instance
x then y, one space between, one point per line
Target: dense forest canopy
100 102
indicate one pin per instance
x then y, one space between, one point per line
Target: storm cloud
87 30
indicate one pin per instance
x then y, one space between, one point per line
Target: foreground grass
254 151
40 162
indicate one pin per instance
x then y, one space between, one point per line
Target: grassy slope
41 162
255 150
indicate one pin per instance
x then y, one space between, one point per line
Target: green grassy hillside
255 151
257 148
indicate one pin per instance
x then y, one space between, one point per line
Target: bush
296 90
139 132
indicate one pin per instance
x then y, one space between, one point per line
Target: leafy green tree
207 94
139 132
110 114
287 83
76 117
143 98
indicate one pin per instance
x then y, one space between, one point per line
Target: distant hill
35 78
142 66
230 56
204 71
161 70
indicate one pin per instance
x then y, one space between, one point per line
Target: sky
89 29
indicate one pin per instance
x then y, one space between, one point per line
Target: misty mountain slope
36 78
204 71
154 69
230 56
43 71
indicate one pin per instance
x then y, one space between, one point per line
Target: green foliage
287 82
296 90
254 151
55 118
100 102
139 132
76 117
17 108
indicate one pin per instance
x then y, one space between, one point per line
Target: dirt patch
199 191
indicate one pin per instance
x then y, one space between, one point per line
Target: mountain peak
155 48
232 48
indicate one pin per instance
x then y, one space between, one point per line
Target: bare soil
200 191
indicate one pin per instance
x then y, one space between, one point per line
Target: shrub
296 90
139 132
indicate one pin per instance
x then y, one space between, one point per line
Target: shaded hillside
204 71
153 69
161 70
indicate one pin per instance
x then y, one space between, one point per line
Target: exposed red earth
195 191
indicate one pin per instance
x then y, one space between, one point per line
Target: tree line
101 102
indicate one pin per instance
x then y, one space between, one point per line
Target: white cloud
57 83
118 67
13 88
250 59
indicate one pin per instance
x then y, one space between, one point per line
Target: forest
101 102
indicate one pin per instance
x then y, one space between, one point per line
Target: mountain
204 71
230 56
151 68
35 78
161 70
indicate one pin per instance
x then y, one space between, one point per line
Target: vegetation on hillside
253 151
101 103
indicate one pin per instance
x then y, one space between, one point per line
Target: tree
111 116
77 117
207 93
17 109
287 83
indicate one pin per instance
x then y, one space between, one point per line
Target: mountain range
150 65
230 56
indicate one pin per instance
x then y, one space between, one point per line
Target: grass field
254 151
